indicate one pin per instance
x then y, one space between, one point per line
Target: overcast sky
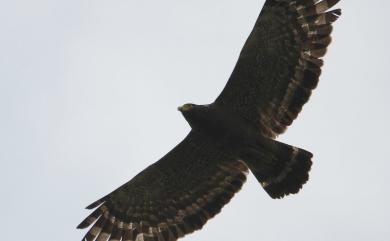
88 97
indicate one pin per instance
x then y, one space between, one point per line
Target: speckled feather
277 70
280 63
172 197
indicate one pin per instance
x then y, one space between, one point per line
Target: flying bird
277 70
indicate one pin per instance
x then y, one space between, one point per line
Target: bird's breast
228 127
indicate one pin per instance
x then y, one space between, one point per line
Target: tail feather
280 168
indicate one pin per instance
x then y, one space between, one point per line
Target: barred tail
280 168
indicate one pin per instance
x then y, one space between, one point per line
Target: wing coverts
280 63
184 201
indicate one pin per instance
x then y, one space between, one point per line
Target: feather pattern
280 63
165 201
277 70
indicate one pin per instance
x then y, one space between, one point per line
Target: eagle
276 72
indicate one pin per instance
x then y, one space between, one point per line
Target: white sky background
88 97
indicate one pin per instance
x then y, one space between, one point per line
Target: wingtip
338 11
91 206
80 226
95 204
83 224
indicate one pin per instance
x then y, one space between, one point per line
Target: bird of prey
277 70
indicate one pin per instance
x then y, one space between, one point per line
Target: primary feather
280 63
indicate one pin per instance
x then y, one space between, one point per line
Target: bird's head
194 114
186 108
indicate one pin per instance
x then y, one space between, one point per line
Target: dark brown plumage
277 70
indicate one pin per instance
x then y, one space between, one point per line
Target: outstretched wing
280 63
170 198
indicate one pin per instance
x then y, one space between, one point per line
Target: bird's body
222 125
277 70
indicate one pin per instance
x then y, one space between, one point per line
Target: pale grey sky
88 97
